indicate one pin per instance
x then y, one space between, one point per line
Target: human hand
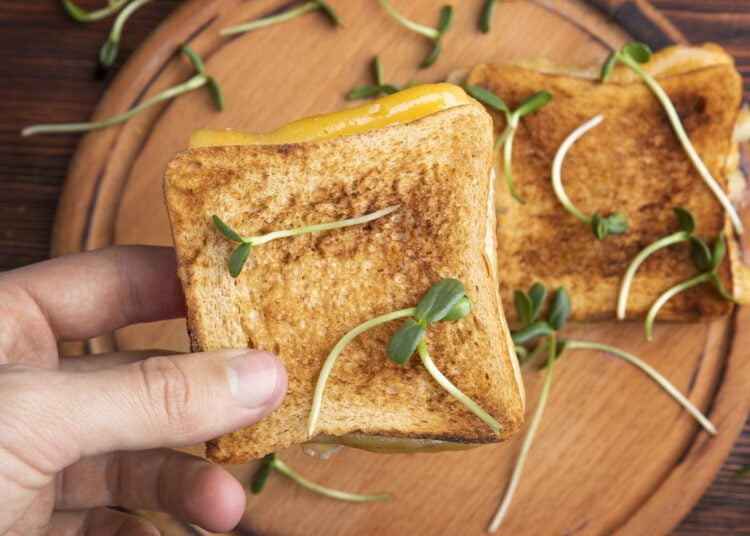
80 434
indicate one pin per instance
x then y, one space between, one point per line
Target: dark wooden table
48 70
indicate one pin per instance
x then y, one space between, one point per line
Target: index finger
84 295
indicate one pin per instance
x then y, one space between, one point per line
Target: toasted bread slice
298 296
632 162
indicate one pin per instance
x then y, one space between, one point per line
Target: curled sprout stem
679 130
507 141
454 391
81 15
108 52
527 441
627 280
426 31
281 17
287 471
331 359
63 128
668 295
651 373
557 168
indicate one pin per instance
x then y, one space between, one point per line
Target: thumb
169 401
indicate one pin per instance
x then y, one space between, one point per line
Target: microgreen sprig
283 17
81 15
271 462
512 119
108 52
632 55
707 260
601 226
686 222
485 17
240 255
445 300
436 35
200 79
528 306
379 88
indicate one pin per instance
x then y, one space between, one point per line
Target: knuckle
168 391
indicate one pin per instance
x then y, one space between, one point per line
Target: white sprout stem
533 356
668 295
527 441
122 17
557 167
679 130
284 233
651 373
58 128
454 391
285 470
269 21
331 359
627 279
430 33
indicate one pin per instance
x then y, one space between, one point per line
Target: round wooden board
613 453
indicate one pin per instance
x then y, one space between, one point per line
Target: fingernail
253 378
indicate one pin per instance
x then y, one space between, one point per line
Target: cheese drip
402 107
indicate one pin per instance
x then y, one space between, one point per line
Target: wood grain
50 63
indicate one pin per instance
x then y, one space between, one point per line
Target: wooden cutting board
614 453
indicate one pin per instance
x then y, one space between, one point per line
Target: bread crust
296 297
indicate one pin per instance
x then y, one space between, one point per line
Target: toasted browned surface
298 296
631 162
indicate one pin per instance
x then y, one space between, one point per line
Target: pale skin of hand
80 434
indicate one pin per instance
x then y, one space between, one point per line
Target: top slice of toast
298 296
631 162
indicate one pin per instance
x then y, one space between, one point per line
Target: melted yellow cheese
402 107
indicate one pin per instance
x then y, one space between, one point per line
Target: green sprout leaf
376 89
403 343
439 299
533 103
524 306
108 53
283 17
487 98
720 249
611 225
701 253
529 333
216 94
238 258
197 81
485 18
260 477
632 56
446 19
537 293
459 311
560 309
639 52
685 219
226 230
194 58
607 67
